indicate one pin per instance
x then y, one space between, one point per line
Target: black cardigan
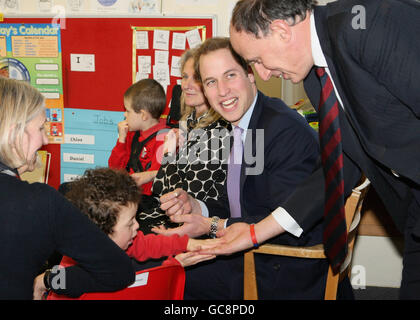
35 221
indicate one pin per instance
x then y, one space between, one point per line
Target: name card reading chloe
79 139
79 158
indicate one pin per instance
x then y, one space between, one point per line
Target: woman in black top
35 220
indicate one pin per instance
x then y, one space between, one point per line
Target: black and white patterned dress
199 168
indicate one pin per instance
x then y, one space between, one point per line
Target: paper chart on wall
32 52
90 137
161 48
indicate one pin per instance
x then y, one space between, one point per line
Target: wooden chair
352 211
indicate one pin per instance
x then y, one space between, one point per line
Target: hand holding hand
235 238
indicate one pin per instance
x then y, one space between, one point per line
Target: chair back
353 207
159 283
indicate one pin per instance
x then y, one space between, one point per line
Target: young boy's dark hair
100 193
147 94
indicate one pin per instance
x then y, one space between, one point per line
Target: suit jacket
288 153
280 151
376 72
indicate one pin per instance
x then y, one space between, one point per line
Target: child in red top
140 135
110 198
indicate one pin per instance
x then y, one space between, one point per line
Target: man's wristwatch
213 226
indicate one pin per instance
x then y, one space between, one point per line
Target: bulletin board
111 41
157 52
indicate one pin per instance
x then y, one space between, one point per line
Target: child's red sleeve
120 154
156 246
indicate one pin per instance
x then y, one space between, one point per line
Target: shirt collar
317 54
246 118
9 171
160 125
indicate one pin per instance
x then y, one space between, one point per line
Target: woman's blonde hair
19 104
186 110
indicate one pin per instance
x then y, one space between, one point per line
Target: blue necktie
234 173
335 230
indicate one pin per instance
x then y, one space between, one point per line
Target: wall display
32 52
90 137
157 52
110 41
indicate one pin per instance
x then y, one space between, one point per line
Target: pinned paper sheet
142 40
141 76
178 40
176 66
145 64
161 39
161 57
161 74
193 38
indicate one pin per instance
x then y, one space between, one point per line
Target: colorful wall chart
90 137
32 52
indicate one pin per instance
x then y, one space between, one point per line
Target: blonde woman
202 141
36 220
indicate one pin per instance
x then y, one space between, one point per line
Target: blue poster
90 137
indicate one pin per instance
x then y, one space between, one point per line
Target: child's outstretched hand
190 258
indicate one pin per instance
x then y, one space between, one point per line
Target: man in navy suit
280 151
368 49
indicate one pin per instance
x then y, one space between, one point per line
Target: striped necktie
335 230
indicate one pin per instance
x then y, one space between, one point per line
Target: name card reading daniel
90 137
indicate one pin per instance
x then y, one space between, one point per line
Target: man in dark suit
280 150
368 50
